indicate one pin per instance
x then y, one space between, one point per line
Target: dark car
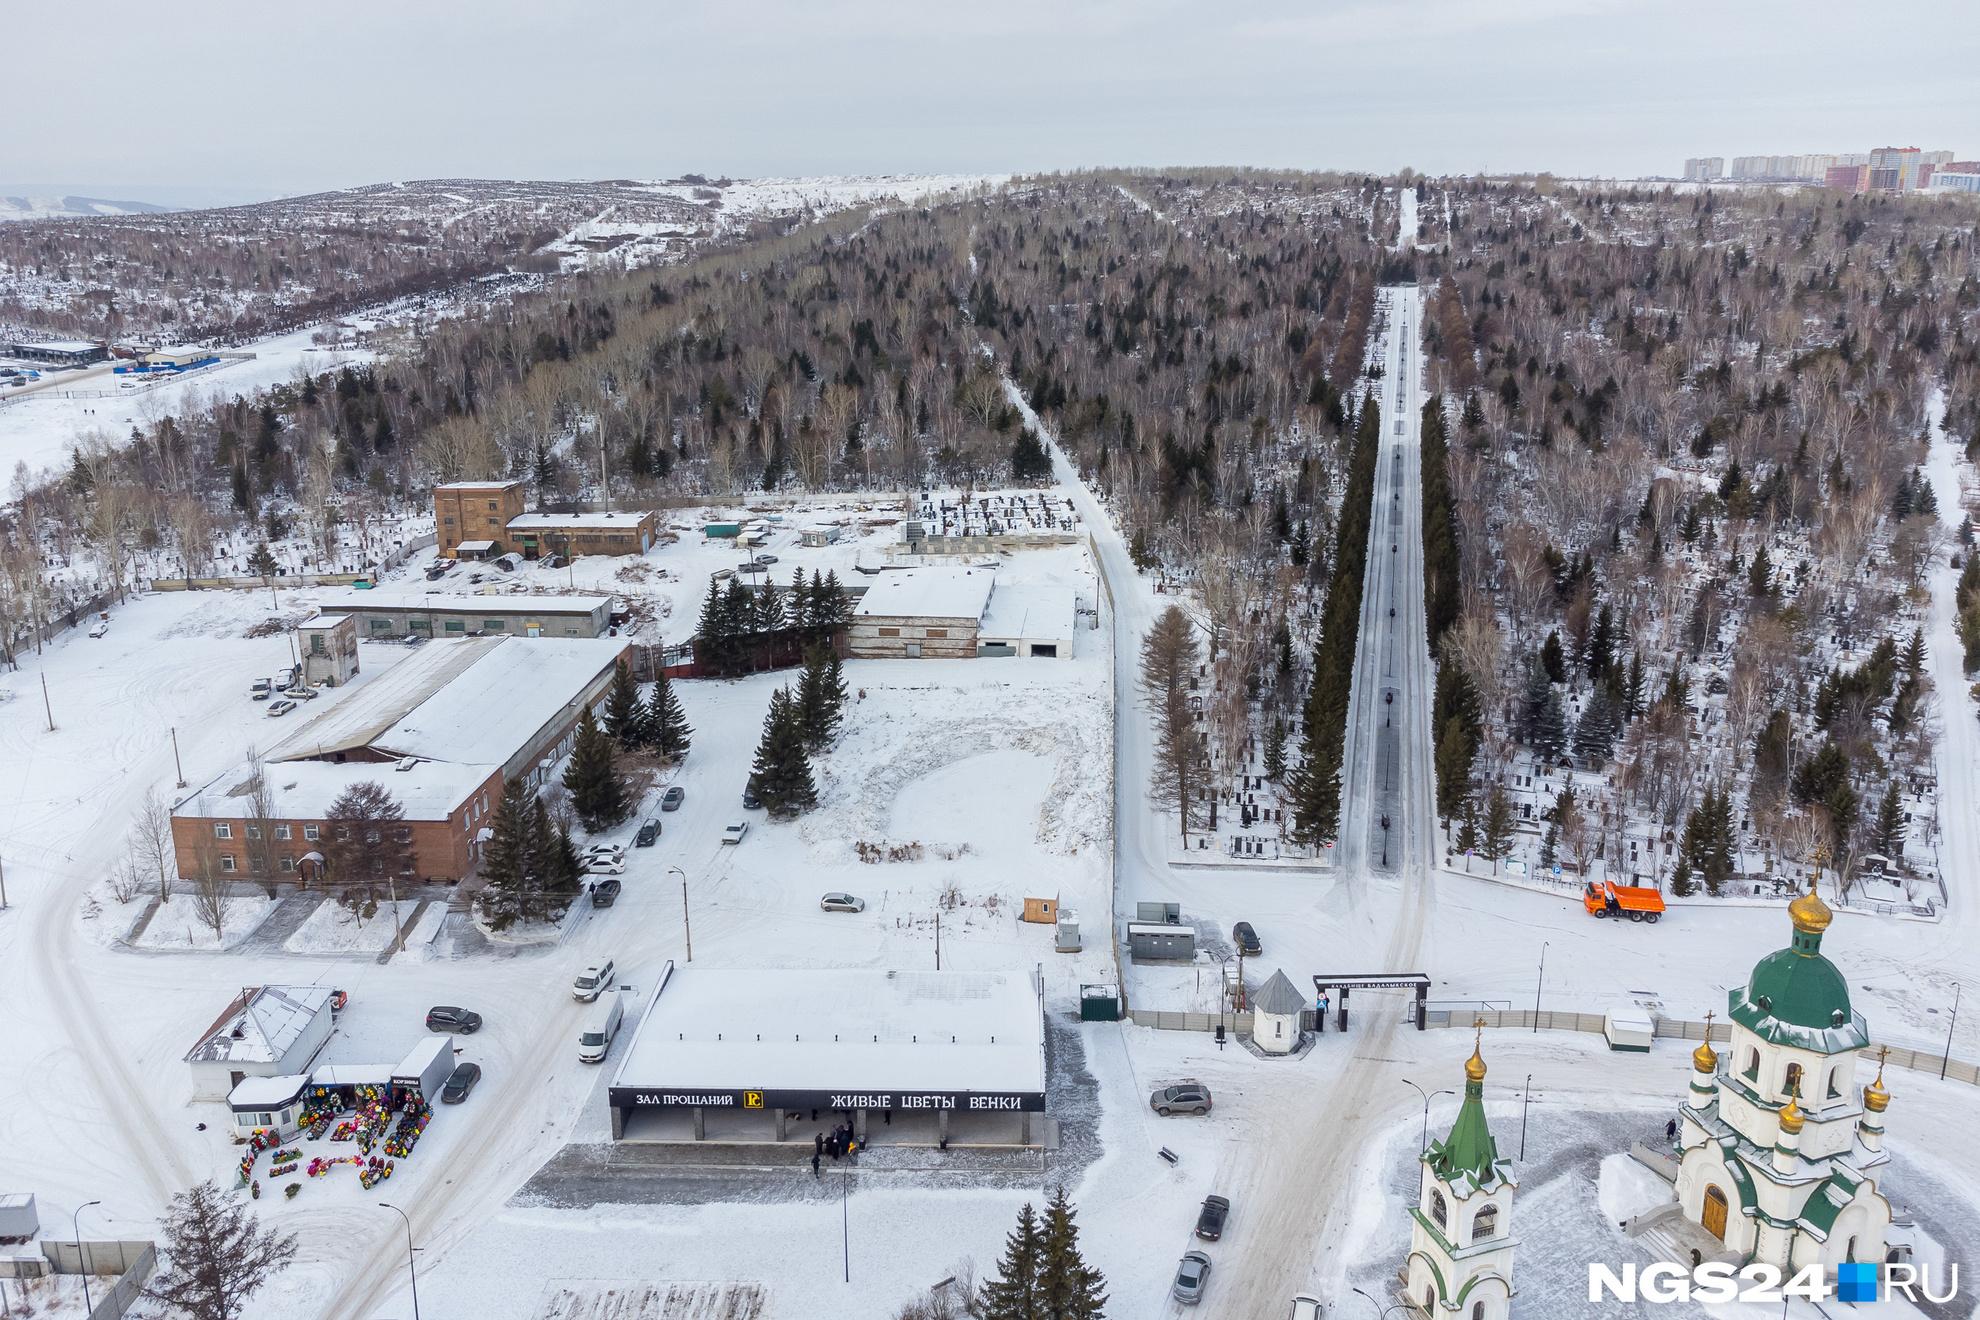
649 833
1246 939
1209 1221
604 893
671 799
463 1080
464 1021
750 800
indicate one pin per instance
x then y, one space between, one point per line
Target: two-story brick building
471 518
443 731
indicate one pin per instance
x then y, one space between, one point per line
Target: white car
842 903
100 627
1306 1308
734 833
605 850
592 980
604 864
276 708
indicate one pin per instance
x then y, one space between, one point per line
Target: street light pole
1423 1142
82 1265
845 1221
687 931
411 1273
1540 981
1381 1311
1946 1062
1525 1099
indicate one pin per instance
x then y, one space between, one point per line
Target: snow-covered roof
305 790
262 1024
1279 996
57 345
1030 610
476 547
531 521
488 713
369 707
267 1092
841 1029
492 603
496 484
928 593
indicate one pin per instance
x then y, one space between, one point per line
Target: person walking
1671 1130
818 1143
814 1165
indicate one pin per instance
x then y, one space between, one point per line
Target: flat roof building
381 613
573 534
443 732
733 1055
59 353
1029 619
474 511
921 613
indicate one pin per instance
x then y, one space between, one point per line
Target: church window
1752 1070
1478 1311
1438 1211
1487 1223
1835 1084
1792 1081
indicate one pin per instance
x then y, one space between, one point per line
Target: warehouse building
1029 619
379 613
921 613
267 1031
471 518
443 731
59 353
574 534
905 1058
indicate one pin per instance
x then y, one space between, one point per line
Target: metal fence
1163 1019
131 1263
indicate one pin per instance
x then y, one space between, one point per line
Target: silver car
836 902
1189 1098
1191 1276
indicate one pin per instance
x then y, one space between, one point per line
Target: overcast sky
208 100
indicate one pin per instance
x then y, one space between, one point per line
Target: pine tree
567 868
1602 646
821 695
543 858
1760 575
780 776
625 713
1467 835
1275 750
1914 653
597 794
1632 693
505 862
262 560
666 723
217 1254
1498 824
1015 1293
1601 722
1550 727
714 634
1552 660
1681 882
1068 1288
1888 837
1029 461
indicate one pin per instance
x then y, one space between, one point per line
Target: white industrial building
955 613
267 1031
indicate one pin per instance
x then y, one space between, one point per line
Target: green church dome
1797 997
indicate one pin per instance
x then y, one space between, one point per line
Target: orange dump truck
1619 901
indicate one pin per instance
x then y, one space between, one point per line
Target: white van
600 1025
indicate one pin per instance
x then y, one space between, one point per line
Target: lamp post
845 1221
82 1266
1525 1099
1423 1142
1381 1311
411 1273
687 931
1946 1062
1538 982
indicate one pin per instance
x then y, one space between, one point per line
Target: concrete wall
880 637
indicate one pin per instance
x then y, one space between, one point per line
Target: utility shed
1148 942
921 613
1275 1011
267 1031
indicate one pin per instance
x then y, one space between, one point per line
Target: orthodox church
1778 1149
1461 1242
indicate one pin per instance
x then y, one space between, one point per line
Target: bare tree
152 849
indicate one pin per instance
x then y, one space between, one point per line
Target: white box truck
601 1024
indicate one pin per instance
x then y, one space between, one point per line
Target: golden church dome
1811 915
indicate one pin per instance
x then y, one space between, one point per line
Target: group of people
840 1143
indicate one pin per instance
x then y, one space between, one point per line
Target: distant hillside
18 207
241 271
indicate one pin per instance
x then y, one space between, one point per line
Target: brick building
443 731
573 534
472 517
921 614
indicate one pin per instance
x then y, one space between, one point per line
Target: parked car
553 561
649 833
300 693
751 802
1187 1098
606 892
1191 1276
100 627
1246 939
671 799
279 708
461 1021
600 1026
261 688
604 864
614 850
262 693
837 902
1306 1308
764 561
458 1085
592 980
1210 1219
734 833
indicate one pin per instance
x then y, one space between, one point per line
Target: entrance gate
1344 983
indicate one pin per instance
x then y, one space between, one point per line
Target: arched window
1438 1211
1791 1080
1835 1083
1752 1070
1478 1311
1486 1223
1849 1250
